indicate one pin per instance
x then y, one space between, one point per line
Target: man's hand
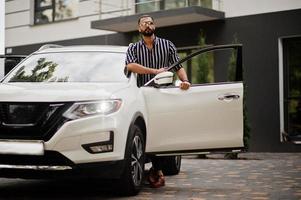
158 71
185 85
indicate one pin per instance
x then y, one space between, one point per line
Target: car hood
57 92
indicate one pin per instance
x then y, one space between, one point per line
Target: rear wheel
172 165
132 178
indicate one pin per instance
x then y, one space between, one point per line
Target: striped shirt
163 54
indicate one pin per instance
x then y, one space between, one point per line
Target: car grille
31 121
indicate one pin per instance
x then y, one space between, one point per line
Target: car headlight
91 108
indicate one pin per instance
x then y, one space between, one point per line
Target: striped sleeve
131 54
173 56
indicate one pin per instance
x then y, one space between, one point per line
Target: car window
211 67
70 67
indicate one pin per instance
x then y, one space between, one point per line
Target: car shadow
58 189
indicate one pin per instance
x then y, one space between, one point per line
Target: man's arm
182 74
183 77
173 58
140 69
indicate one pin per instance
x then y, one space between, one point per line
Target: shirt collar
155 41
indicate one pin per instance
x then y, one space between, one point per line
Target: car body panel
194 119
58 92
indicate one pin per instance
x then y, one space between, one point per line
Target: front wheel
172 165
132 178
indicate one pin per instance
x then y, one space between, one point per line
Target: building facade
270 31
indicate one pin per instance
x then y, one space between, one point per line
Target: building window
47 11
202 3
143 6
171 4
292 88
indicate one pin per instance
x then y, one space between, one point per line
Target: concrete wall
20 29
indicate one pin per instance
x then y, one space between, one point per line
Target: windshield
70 67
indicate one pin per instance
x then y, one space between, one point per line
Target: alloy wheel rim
136 161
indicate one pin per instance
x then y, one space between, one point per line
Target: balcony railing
118 8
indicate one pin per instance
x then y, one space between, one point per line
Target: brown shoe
159 183
152 176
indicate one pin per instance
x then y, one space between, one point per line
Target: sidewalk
256 176
252 176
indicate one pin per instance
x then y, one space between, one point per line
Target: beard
148 32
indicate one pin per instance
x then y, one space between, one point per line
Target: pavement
256 176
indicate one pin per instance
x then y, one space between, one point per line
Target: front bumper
54 165
66 152
74 140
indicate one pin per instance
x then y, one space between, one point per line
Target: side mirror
163 79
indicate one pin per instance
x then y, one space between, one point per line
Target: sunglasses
149 23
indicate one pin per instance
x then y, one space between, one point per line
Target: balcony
122 16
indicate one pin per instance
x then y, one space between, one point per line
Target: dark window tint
292 87
10 63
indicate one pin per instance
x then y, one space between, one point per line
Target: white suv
73 109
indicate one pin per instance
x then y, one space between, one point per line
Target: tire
133 176
172 165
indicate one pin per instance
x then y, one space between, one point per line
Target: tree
203 64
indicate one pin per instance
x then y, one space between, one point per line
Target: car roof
81 48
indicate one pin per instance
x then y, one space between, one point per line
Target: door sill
198 151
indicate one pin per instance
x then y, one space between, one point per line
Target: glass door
292 89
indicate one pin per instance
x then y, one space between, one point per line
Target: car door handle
228 97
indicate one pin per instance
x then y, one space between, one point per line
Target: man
148 57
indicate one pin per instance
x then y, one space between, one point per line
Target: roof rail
47 46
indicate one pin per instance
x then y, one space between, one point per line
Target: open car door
207 117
